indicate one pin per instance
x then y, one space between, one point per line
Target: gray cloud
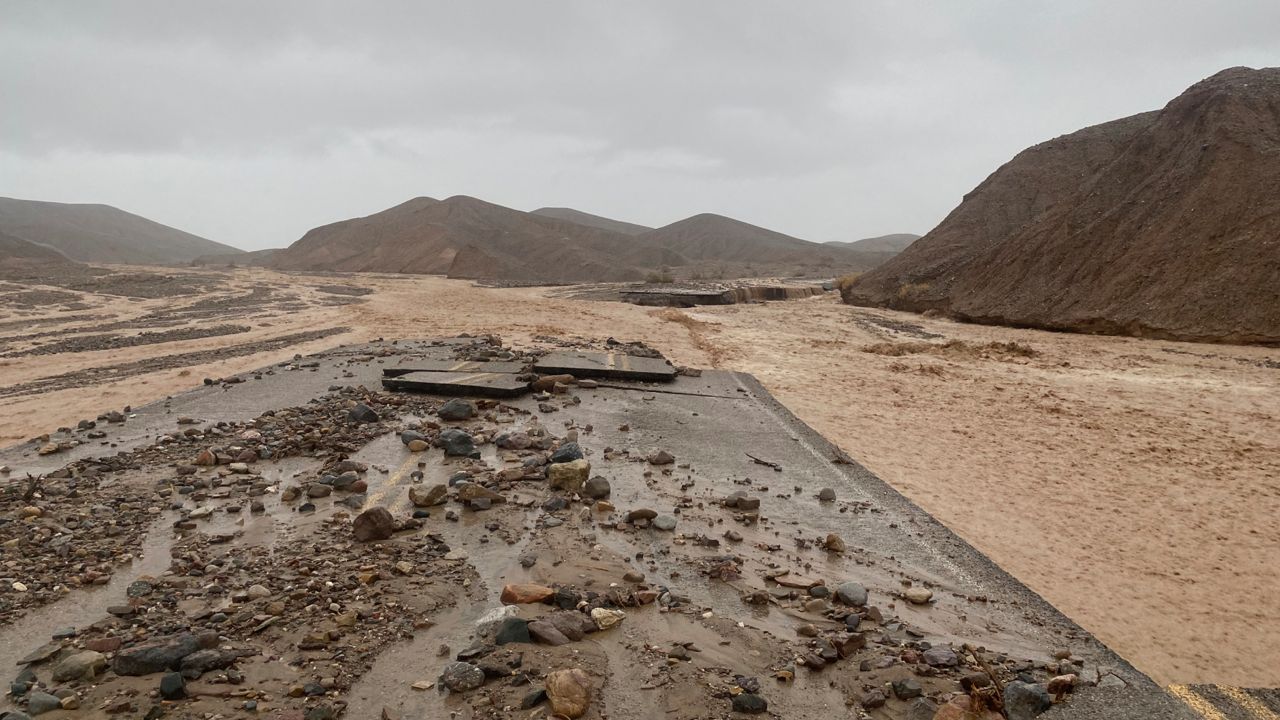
251 122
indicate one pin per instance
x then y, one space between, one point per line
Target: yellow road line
1250 703
394 480
1196 702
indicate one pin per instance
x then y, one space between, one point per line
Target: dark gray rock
513 630
173 686
851 593
597 488
907 688
749 703
922 709
42 702
457 409
409 436
1024 701
458 443
362 413
461 676
156 656
941 656
567 452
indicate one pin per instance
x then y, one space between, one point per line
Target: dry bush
909 291
847 281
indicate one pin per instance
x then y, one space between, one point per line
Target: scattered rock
526 593
605 618
596 488
661 457
362 413
457 409
458 443
1024 701
423 496
827 495
172 686
664 522
39 703
567 452
917 595
749 703
80 666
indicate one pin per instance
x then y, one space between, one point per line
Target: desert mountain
1164 224
489 241
249 258
468 238
596 221
101 233
893 243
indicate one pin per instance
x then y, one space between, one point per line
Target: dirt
88 343
1158 225
1131 482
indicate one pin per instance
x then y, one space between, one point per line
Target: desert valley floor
1133 483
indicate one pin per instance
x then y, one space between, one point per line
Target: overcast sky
250 122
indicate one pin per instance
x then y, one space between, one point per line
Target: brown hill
1164 224
101 233
596 221
426 235
249 258
893 243
714 241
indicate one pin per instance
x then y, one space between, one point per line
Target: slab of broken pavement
454 528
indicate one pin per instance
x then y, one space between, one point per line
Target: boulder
458 443
362 413
80 666
423 496
373 524
461 676
155 656
457 409
569 692
526 593
568 476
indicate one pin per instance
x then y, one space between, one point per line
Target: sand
1133 483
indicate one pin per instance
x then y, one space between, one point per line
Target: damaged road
303 542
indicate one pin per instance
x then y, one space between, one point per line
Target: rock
873 699
567 452
907 688
660 457
569 692
922 709
1024 701
596 488
533 699
525 593
513 630
633 576
155 656
461 676
80 666
940 656
458 443
362 413
605 618
641 514
423 496
318 490
39 703
827 495
959 709
202 661
546 633
457 409
834 543
470 492
664 522
70 702
409 436
417 445
373 524
172 686
917 595
513 441
749 703
568 476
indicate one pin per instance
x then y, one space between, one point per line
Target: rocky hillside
101 233
1165 224
22 260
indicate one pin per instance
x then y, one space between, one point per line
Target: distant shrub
847 281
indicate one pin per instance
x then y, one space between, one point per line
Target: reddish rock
373 524
526 593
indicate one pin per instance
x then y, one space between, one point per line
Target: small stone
827 495
834 543
512 630
362 413
851 593
567 452
940 656
605 618
458 443
907 688
873 699
596 488
172 686
569 692
525 593
918 595
664 522
80 666
461 677
749 703
661 457
457 409
423 496
416 445
39 703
